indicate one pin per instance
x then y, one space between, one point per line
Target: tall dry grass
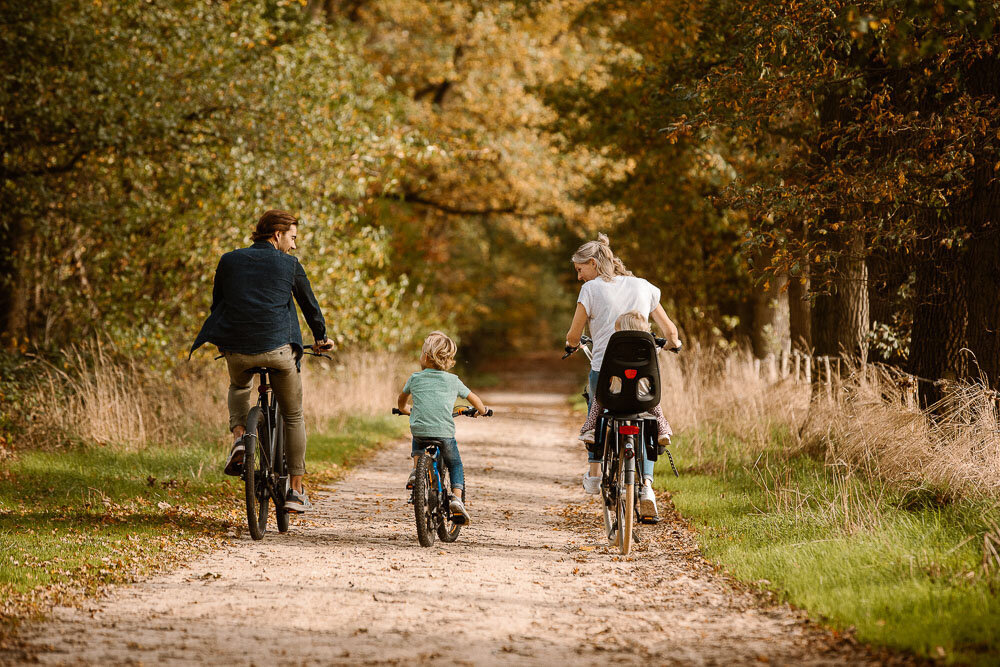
101 395
866 426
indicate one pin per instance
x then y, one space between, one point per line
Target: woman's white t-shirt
606 300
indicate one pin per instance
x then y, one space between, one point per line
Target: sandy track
529 582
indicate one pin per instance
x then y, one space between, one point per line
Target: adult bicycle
431 495
625 435
265 468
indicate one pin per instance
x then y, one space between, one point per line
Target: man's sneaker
587 436
458 513
234 464
591 485
297 501
411 479
647 501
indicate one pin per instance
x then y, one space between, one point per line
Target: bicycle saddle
629 381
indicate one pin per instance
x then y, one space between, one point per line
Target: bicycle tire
252 475
626 511
424 497
280 472
447 529
608 494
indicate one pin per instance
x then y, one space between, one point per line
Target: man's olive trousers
287 386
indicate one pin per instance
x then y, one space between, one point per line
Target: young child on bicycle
434 391
630 321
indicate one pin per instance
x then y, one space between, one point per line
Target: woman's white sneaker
647 501
591 485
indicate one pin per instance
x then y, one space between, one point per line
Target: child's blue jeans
647 465
449 452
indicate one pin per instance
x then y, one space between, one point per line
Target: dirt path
529 582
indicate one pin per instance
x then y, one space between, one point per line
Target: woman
610 290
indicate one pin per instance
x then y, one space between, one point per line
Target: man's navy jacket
252 307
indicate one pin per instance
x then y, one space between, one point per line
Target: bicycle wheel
626 507
424 501
447 529
280 473
254 474
609 471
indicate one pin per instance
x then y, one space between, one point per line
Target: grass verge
903 568
77 518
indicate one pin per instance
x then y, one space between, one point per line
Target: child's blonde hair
633 320
608 266
440 350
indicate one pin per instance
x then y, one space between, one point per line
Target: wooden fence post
808 368
827 378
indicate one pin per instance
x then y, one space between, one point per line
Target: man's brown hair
271 222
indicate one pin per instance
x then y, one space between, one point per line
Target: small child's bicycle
432 492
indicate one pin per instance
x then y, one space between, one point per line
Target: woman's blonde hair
633 320
440 350
608 266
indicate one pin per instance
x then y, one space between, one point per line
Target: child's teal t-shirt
433 393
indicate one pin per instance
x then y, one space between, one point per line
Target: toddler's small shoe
458 513
411 479
591 485
587 436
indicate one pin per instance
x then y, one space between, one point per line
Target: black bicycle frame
268 410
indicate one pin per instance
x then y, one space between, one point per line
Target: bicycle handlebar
314 353
467 412
585 340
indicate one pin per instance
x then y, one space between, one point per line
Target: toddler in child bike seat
630 321
434 391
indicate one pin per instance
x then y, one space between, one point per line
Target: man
253 322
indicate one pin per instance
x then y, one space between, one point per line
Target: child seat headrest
629 359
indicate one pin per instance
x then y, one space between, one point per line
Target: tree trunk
770 333
840 317
800 310
940 319
13 288
983 279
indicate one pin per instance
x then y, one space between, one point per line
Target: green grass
904 570
82 516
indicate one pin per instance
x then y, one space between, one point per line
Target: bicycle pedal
458 520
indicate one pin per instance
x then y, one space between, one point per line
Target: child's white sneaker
663 440
587 436
591 485
411 479
458 512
